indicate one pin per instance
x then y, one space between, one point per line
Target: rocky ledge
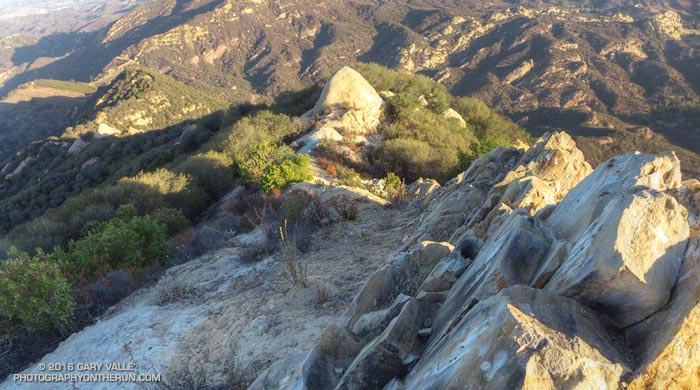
529 270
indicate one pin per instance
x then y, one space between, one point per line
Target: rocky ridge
529 270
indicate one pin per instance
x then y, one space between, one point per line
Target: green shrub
413 159
34 294
259 158
394 187
120 243
480 148
262 127
280 175
212 172
173 220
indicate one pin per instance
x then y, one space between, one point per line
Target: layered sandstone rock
539 274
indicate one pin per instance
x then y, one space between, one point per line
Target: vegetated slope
505 295
46 173
139 100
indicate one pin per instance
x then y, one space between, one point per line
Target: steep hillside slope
139 100
521 290
38 110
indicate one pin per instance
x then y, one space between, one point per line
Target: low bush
280 175
126 242
172 291
480 148
34 294
173 220
348 177
345 207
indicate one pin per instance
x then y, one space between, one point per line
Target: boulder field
530 270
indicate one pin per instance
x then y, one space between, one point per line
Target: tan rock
519 72
627 261
421 188
351 101
402 274
665 344
610 179
104 129
452 114
522 338
545 174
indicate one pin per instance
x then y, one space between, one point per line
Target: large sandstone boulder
522 338
666 344
349 103
628 237
608 181
546 173
543 176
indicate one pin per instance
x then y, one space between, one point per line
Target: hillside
139 100
171 194
391 195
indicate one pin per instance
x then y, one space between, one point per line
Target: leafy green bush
125 242
260 157
34 294
291 170
173 220
393 186
480 148
419 142
261 127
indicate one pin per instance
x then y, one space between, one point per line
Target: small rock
409 359
260 325
425 333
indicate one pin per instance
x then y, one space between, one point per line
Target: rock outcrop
530 270
523 338
348 106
